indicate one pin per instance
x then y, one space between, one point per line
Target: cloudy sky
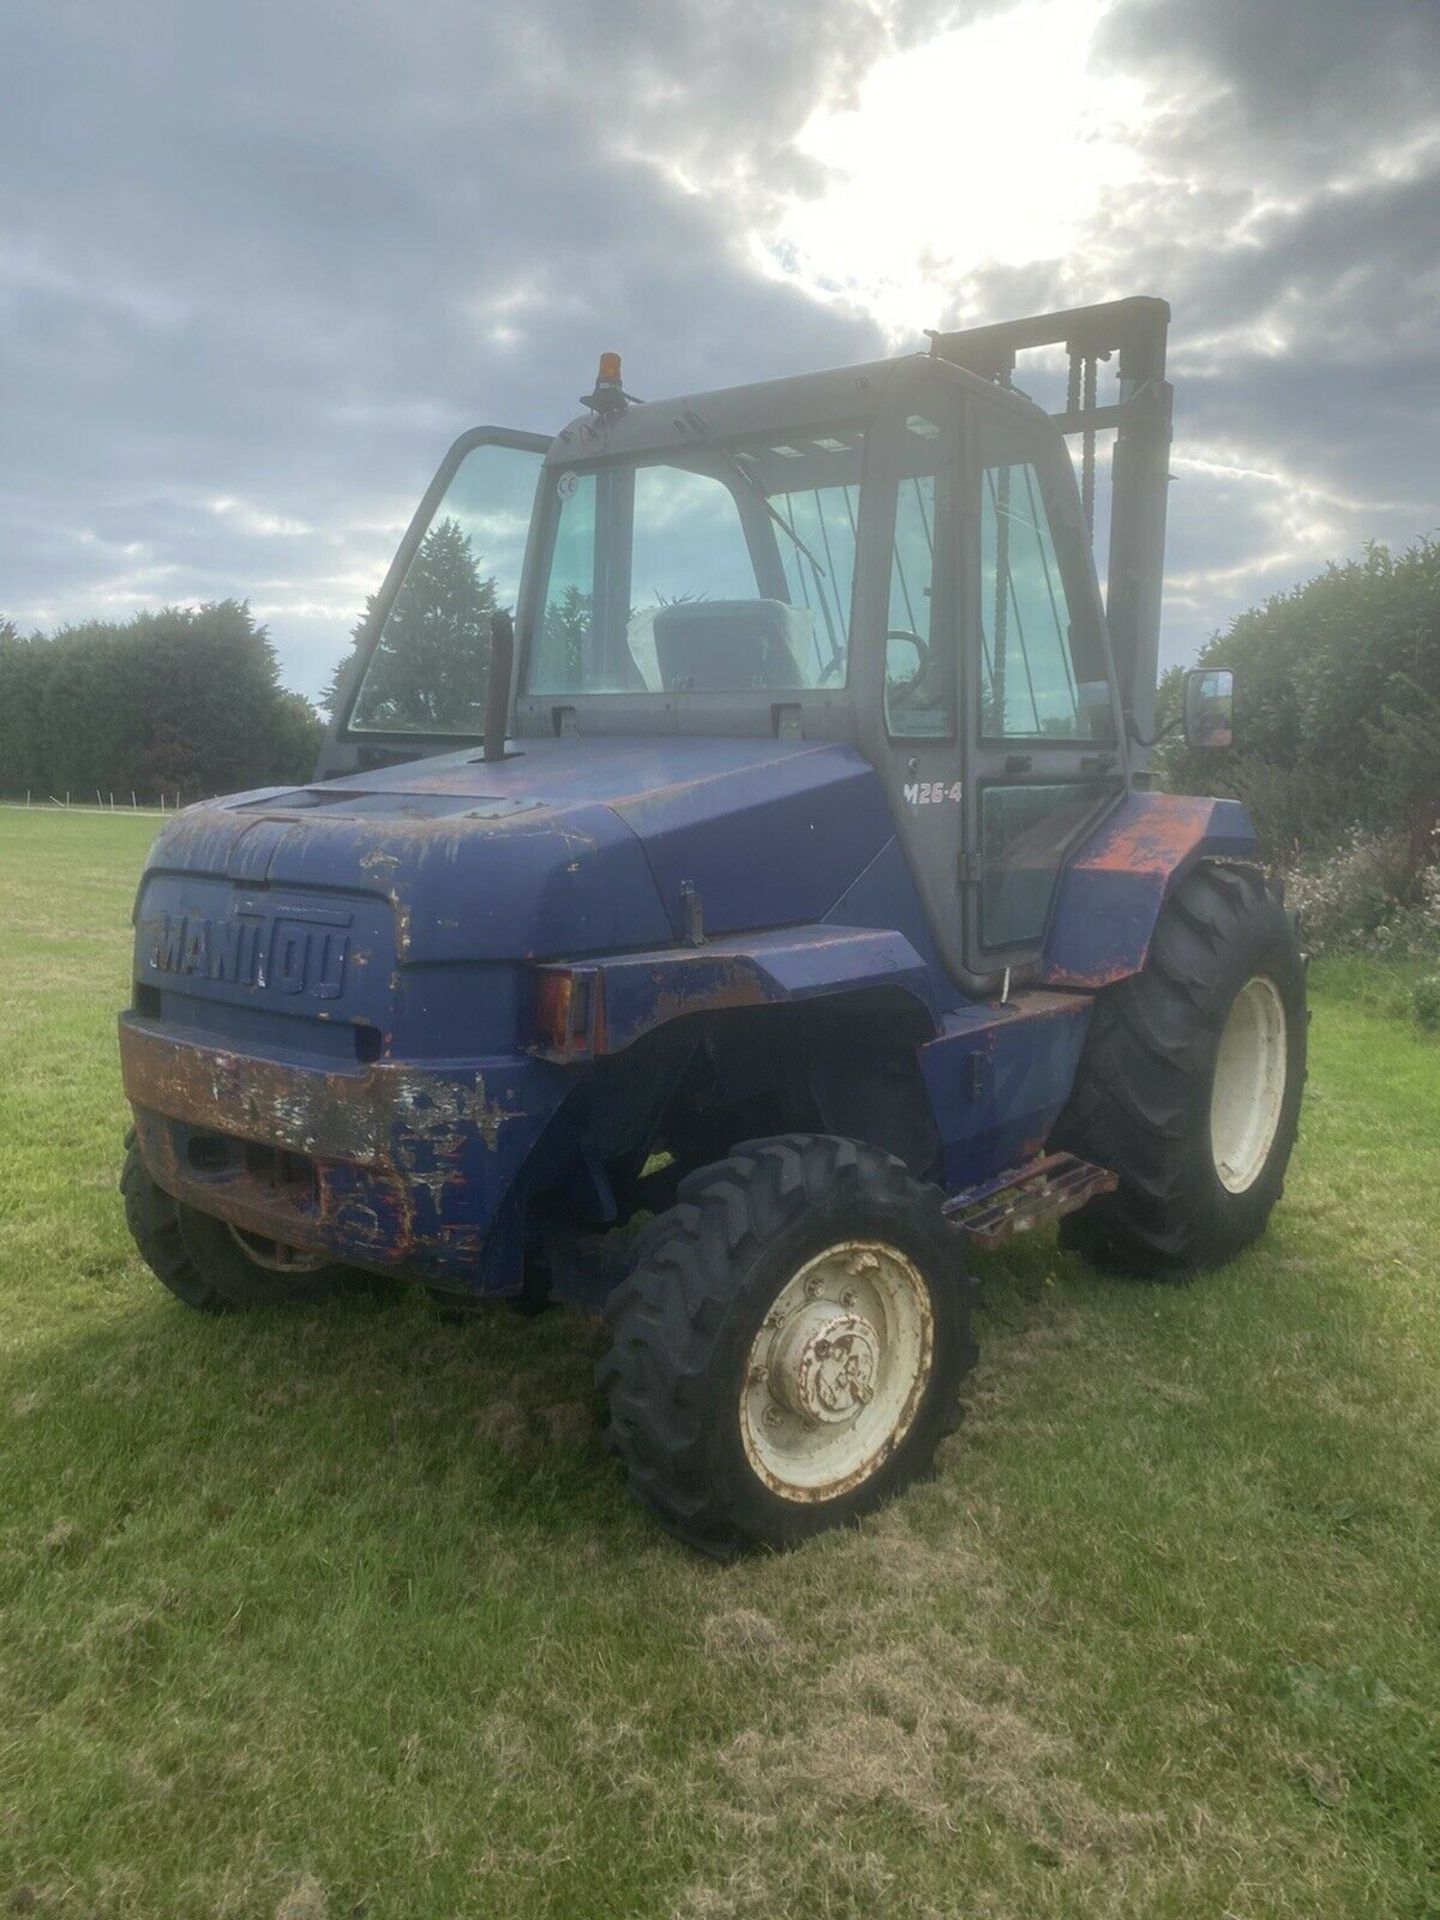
260 261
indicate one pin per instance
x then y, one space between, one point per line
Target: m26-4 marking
299 950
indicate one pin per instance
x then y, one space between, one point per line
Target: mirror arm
497 687
1132 732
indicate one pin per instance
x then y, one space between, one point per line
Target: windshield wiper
697 425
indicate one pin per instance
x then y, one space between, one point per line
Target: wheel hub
837 1370
826 1364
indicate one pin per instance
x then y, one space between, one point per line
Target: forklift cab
895 556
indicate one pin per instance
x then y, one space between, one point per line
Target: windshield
722 569
431 664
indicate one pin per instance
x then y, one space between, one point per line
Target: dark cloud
1291 215
258 264
1302 85
261 263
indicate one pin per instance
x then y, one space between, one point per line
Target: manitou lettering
298 952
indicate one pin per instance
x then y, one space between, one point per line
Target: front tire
1189 1087
787 1352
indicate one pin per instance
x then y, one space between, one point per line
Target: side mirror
1210 708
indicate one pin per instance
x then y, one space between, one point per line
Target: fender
1113 888
598 1008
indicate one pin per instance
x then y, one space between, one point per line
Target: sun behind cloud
993 144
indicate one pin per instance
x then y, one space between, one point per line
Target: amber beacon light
609 395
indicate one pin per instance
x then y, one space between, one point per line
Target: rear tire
198 1258
1189 1087
787 1352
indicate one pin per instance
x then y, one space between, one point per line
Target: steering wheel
904 691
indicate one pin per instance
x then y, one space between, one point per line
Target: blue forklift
771 910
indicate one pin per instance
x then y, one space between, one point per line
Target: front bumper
389 1166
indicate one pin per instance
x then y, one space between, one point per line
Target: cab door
1041 719
909 617
421 654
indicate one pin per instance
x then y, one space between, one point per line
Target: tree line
1337 709
184 701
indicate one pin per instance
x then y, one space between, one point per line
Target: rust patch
629 996
338 1116
1154 839
402 926
310 1113
1028 1196
731 983
406 1128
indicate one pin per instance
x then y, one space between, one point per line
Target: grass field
344 1614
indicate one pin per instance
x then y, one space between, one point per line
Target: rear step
1026 1197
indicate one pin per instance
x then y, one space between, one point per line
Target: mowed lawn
345 1614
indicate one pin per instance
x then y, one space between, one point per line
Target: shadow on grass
374 1418
371 1429
372 1408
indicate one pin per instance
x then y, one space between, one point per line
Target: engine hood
565 848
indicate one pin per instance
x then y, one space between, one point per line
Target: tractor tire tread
667 1320
217 1278
154 1222
1151 1043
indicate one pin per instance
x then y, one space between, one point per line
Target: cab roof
838 397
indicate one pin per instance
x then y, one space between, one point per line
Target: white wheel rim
837 1372
1249 1088
275 1256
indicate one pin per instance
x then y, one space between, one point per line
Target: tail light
567 1012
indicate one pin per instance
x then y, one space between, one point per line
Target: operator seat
717 646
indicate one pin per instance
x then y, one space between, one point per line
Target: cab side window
920 676
1041 676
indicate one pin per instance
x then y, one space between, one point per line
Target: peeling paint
1113 888
407 1165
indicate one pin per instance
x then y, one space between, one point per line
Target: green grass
341 1614
1373 984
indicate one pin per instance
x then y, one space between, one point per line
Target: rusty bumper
394 1165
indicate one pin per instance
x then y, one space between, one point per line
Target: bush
1337 707
1368 897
